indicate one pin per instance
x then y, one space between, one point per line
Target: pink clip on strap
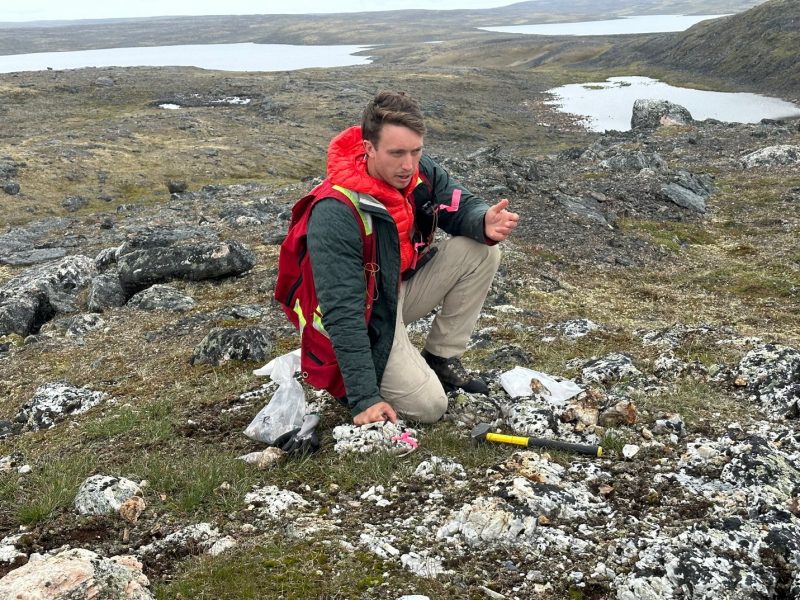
406 438
454 202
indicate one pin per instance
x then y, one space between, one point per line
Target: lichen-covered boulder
613 367
784 154
651 114
272 502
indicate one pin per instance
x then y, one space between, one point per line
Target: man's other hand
382 411
499 222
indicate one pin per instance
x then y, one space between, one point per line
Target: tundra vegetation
680 320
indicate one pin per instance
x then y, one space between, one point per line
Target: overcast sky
42 10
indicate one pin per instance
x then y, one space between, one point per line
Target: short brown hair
394 108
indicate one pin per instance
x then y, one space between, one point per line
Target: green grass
295 570
47 489
671 234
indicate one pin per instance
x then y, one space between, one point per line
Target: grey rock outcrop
651 114
634 161
104 494
688 190
161 297
771 156
233 343
34 256
77 573
142 267
35 296
105 291
73 203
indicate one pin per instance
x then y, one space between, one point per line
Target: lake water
635 24
225 57
609 104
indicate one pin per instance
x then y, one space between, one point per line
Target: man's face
395 157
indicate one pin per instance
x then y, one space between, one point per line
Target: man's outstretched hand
382 411
499 222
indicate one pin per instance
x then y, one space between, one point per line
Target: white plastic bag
517 384
285 411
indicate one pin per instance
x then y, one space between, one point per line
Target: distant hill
759 48
383 27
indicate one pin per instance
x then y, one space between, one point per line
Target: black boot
453 375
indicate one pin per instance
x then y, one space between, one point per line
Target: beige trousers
458 278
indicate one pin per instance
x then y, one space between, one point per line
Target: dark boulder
144 267
224 344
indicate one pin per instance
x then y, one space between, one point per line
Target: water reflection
625 25
225 57
608 104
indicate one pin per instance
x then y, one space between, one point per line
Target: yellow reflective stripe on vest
316 320
353 197
298 310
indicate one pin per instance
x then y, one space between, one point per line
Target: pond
609 104
225 57
635 24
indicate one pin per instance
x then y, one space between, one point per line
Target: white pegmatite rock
186 541
423 565
771 375
487 520
380 545
272 502
104 494
613 367
77 573
436 467
54 402
10 555
716 562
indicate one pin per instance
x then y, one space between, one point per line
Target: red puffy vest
295 289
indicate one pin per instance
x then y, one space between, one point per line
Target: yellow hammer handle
507 439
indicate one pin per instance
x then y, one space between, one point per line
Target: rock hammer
483 432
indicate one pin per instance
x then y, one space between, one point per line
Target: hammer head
479 432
